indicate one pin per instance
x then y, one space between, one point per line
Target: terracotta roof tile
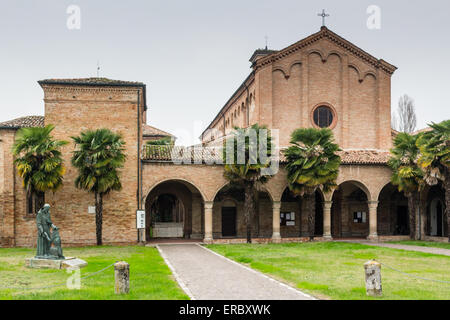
176 153
394 133
364 156
165 154
427 129
149 131
23 122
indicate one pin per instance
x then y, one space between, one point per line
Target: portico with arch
204 206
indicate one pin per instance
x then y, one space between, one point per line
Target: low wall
393 238
436 239
266 240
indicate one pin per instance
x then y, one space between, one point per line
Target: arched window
323 116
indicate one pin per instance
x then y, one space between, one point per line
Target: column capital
327 204
372 204
209 204
276 205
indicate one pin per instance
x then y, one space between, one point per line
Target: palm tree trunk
99 217
249 208
311 203
447 203
412 214
257 213
300 212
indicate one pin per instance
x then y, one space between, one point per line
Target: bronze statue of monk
44 241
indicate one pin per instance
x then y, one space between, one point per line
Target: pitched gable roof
326 33
262 57
150 131
23 122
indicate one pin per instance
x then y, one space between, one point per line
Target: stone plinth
122 277
373 278
68 263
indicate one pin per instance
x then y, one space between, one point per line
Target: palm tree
435 159
406 174
312 163
98 156
247 172
38 160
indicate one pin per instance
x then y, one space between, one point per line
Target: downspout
138 191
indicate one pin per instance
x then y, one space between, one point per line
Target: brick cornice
75 88
325 33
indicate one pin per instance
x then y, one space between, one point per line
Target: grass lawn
442 245
150 278
335 270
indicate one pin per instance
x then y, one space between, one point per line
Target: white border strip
175 274
259 273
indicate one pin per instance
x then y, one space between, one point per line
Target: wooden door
229 221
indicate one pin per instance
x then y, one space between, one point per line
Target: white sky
194 54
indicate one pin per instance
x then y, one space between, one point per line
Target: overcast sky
194 54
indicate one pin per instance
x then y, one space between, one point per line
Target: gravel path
445 252
206 275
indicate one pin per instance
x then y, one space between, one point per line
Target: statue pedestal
67 263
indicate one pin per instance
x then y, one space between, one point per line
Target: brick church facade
320 81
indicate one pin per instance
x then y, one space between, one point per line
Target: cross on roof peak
323 15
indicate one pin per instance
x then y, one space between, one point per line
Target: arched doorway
436 218
229 216
350 211
174 209
437 225
294 218
392 212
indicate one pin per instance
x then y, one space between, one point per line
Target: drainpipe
138 191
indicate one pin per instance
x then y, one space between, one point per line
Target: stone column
208 222
196 217
122 277
373 229
276 236
423 217
327 219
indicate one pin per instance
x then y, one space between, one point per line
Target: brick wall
7 186
73 109
288 87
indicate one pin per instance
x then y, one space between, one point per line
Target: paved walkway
445 252
204 274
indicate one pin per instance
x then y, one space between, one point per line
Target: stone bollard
122 277
373 278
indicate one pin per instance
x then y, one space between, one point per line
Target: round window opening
323 116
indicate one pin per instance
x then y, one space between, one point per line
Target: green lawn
335 270
150 278
443 245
